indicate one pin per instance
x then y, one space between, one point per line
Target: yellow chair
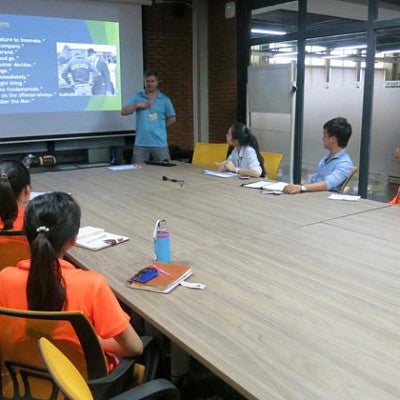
14 247
74 387
272 161
23 373
348 179
205 154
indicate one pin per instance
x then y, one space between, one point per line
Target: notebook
92 238
164 283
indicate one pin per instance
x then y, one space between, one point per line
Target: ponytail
8 203
14 177
51 220
245 137
44 290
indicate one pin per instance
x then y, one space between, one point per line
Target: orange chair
272 161
206 154
23 372
348 179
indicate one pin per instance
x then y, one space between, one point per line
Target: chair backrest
272 161
65 375
206 154
22 368
348 179
14 247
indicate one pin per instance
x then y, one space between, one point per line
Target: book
92 238
169 277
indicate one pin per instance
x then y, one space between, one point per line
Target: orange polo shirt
396 199
86 291
17 226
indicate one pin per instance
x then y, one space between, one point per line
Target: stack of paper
346 197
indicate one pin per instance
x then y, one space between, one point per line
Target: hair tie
42 229
4 177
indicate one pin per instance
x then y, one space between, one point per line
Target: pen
160 270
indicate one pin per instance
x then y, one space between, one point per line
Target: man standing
335 165
154 113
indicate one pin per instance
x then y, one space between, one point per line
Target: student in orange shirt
396 199
46 282
15 190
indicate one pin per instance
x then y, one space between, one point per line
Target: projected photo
58 65
86 69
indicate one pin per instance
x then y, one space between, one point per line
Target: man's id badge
153 116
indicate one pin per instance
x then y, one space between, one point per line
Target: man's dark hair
151 72
90 52
340 128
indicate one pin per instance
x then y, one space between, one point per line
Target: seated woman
15 190
46 282
245 158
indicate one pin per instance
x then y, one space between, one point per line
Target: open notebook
92 238
273 186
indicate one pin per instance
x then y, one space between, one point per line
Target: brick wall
167 32
222 70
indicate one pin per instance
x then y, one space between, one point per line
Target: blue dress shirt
333 170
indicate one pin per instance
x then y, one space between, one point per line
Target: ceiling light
391 51
268 32
359 46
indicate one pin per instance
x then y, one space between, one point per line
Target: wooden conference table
303 292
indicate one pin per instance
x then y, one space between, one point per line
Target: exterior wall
167 34
168 49
222 67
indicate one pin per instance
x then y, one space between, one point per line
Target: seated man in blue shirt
335 165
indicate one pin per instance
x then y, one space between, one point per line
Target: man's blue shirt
151 129
333 170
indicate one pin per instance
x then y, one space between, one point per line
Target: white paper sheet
224 174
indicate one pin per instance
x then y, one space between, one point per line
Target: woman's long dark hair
14 177
245 137
51 220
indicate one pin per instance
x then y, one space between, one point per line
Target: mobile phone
244 177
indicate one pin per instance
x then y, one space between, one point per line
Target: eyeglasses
167 178
144 275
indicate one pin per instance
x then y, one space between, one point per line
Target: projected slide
58 65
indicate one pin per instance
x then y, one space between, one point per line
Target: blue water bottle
162 251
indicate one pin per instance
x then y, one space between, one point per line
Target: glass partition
271 97
333 86
384 172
